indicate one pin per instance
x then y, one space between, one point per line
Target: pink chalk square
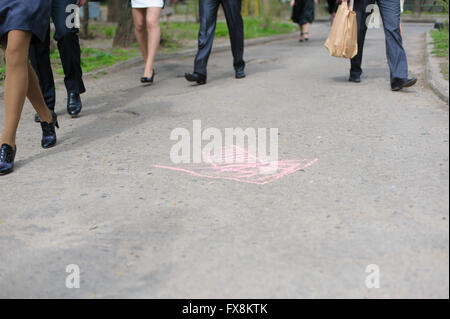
240 168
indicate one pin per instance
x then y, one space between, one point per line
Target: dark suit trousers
208 18
390 15
69 51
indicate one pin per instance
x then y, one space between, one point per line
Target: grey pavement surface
377 195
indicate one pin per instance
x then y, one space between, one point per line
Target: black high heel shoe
145 80
7 156
49 133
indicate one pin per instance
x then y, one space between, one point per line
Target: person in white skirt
146 16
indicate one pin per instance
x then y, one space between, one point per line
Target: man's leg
232 9
360 7
70 52
396 56
40 60
208 19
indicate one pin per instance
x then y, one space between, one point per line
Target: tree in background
114 10
417 8
125 29
267 13
85 22
445 5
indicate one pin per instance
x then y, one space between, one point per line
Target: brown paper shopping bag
343 39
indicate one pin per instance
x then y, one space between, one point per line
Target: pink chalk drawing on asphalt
240 169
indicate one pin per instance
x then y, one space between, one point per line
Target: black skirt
25 15
303 11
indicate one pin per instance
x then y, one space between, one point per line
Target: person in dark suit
70 52
208 18
396 56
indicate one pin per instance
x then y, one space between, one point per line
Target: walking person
69 49
303 15
332 7
208 10
395 53
146 17
22 22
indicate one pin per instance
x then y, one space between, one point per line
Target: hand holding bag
342 41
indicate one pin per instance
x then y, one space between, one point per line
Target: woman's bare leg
154 38
301 32
140 30
16 82
306 30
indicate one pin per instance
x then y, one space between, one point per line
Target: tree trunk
266 12
125 30
417 8
85 22
114 10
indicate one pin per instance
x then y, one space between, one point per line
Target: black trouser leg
68 46
360 7
69 50
232 9
40 60
208 19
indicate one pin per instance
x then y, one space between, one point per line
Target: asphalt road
377 194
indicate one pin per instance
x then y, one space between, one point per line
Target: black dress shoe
240 74
196 77
354 78
399 84
145 80
7 155
49 133
74 104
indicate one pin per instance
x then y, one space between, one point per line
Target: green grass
253 28
101 30
93 59
2 72
440 41
425 13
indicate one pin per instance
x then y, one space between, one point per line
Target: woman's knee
139 26
16 55
152 23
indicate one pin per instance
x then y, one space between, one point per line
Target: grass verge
94 59
440 42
